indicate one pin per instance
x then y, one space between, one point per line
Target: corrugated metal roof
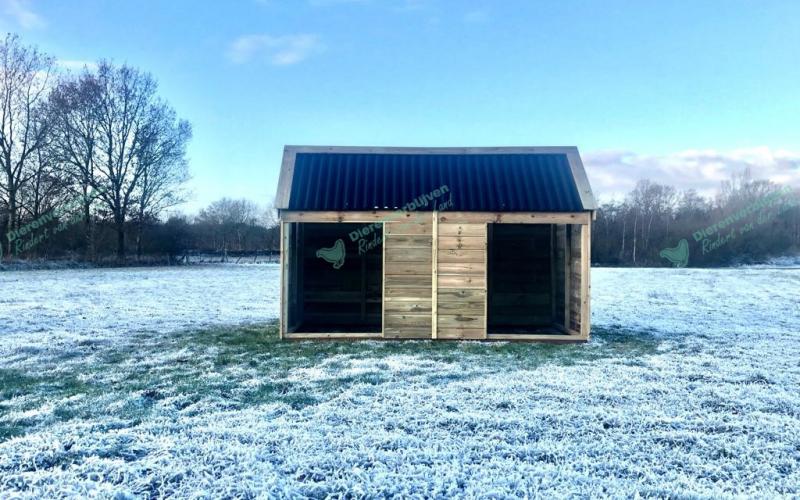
491 182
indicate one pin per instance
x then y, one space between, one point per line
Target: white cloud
615 173
21 13
476 16
76 64
277 50
323 3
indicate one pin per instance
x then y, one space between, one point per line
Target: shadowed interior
334 287
525 279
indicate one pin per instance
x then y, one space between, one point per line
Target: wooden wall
435 274
408 270
460 274
576 272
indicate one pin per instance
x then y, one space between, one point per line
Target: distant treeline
96 156
226 226
748 221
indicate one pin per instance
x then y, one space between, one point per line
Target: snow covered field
161 382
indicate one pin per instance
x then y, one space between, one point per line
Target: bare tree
74 105
25 78
137 135
163 165
227 221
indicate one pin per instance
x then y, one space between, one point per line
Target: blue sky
683 92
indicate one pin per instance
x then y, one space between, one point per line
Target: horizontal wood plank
470 308
462 242
461 320
462 268
393 216
458 281
407 332
515 217
392 292
408 306
462 230
408 241
407 268
460 333
316 336
460 295
399 320
408 228
411 281
420 255
462 256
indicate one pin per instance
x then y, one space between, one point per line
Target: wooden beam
566 150
581 181
443 217
515 217
541 337
332 336
355 216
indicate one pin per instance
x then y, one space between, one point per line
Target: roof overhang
573 156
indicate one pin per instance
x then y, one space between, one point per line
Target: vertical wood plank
486 280
586 258
567 273
435 276
553 272
284 295
383 280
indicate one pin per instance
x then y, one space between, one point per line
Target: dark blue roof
493 182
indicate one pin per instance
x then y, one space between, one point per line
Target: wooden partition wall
460 275
407 265
435 273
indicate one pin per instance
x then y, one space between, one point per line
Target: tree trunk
120 224
88 233
139 230
635 220
12 218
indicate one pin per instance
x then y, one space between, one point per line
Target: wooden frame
516 217
465 258
435 278
284 285
582 219
446 217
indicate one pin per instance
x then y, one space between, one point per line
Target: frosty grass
171 382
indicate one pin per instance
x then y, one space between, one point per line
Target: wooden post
435 276
486 260
586 257
383 279
284 295
567 274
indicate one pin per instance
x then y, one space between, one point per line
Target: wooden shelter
435 243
